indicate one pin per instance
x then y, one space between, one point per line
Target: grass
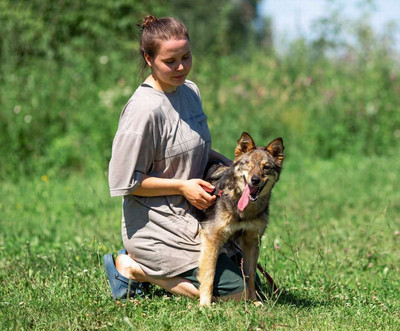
332 246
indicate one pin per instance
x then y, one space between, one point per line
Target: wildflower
396 233
103 59
45 178
28 118
17 109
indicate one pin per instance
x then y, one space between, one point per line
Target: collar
215 191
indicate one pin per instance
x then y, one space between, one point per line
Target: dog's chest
249 224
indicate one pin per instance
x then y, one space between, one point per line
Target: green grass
332 245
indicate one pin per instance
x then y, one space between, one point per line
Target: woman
159 154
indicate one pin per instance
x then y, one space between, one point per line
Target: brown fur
260 168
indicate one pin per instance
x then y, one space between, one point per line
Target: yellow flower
45 178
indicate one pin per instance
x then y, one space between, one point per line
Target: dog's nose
255 180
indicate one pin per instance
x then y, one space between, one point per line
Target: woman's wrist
179 185
153 186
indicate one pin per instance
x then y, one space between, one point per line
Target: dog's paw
258 303
205 301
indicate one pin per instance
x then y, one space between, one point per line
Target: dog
241 212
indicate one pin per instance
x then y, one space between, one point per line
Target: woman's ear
148 59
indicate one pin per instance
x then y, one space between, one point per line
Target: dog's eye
267 167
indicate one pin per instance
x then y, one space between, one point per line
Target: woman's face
171 64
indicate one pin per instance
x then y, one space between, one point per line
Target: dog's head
256 169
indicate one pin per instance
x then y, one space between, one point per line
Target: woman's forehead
173 47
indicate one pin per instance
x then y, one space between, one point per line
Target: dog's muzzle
254 189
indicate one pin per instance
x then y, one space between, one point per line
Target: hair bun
149 19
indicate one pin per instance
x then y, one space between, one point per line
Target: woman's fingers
208 200
197 193
206 185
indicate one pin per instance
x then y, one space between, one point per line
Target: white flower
103 59
17 109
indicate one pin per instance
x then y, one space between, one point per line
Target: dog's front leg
249 242
208 261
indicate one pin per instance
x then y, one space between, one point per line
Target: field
333 241
332 246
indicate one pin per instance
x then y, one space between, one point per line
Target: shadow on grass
283 297
294 299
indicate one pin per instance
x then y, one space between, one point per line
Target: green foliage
63 30
320 106
66 29
67 70
218 29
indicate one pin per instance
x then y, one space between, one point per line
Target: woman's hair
155 30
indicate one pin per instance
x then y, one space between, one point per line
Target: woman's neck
154 83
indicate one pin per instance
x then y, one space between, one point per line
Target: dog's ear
275 148
245 144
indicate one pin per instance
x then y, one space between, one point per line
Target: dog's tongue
244 199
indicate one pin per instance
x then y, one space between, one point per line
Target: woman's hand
194 191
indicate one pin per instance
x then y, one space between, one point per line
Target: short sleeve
194 88
132 153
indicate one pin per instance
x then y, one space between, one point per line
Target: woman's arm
192 190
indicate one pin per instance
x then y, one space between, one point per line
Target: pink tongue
245 198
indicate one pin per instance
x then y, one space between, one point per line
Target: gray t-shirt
163 135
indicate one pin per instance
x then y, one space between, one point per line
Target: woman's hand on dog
195 191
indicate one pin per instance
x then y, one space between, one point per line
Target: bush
67 74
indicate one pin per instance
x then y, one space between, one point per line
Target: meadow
333 241
332 246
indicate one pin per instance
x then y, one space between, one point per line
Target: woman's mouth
180 77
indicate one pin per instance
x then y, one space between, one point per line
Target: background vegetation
66 70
